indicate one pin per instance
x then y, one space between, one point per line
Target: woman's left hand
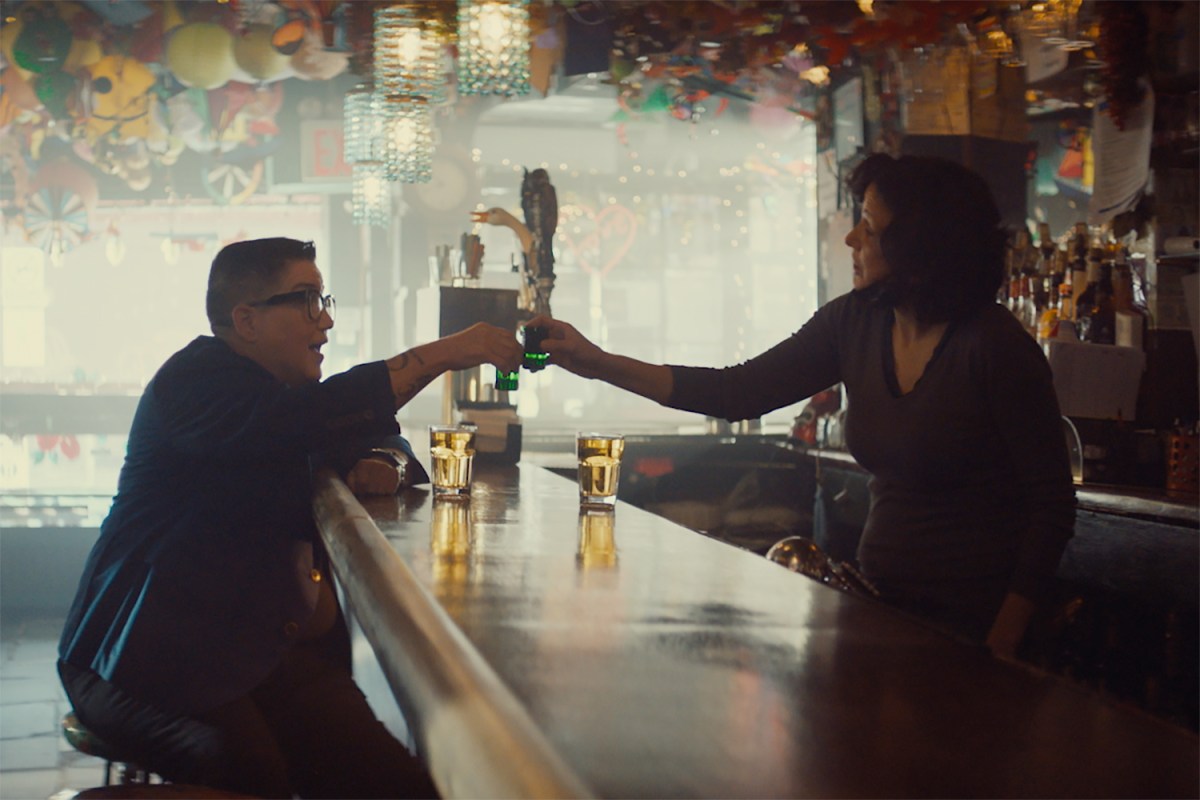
373 476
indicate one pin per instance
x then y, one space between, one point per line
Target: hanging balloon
200 55
255 54
43 42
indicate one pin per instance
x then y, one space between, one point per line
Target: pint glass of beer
599 467
452 451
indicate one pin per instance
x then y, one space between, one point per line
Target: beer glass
452 452
599 457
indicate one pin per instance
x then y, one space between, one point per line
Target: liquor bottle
1027 255
1011 289
1048 248
1048 321
1085 301
1122 284
1080 243
1066 303
1077 255
1051 290
1013 293
1102 327
1035 304
1054 276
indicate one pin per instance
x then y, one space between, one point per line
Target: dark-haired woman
951 405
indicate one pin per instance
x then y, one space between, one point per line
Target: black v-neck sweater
971 492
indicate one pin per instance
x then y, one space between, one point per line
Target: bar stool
135 781
83 740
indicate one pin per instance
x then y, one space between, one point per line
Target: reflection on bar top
1130 501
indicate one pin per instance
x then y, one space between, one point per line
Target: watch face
447 188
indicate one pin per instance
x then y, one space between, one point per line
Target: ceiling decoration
129 89
493 47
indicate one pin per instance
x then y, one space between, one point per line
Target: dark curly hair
245 271
944 244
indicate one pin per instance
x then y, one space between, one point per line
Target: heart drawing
604 237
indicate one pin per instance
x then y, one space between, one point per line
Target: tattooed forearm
406 393
401 362
409 373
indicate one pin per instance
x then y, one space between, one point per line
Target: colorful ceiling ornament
62 196
200 55
130 87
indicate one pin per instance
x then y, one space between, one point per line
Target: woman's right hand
568 348
484 344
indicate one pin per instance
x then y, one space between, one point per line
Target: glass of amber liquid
452 451
599 457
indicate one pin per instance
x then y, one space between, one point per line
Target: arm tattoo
410 391
403 360
419 382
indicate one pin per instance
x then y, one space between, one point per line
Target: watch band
396 458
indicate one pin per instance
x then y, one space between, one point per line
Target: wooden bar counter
674 665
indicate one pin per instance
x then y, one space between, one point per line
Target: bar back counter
537 650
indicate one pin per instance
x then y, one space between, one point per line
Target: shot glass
535 354
597 545
452 452
599 457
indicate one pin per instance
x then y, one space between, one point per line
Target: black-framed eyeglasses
314 302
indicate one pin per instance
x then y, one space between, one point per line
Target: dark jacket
206 568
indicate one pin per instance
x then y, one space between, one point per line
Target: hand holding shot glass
452 452
534 360
599 456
